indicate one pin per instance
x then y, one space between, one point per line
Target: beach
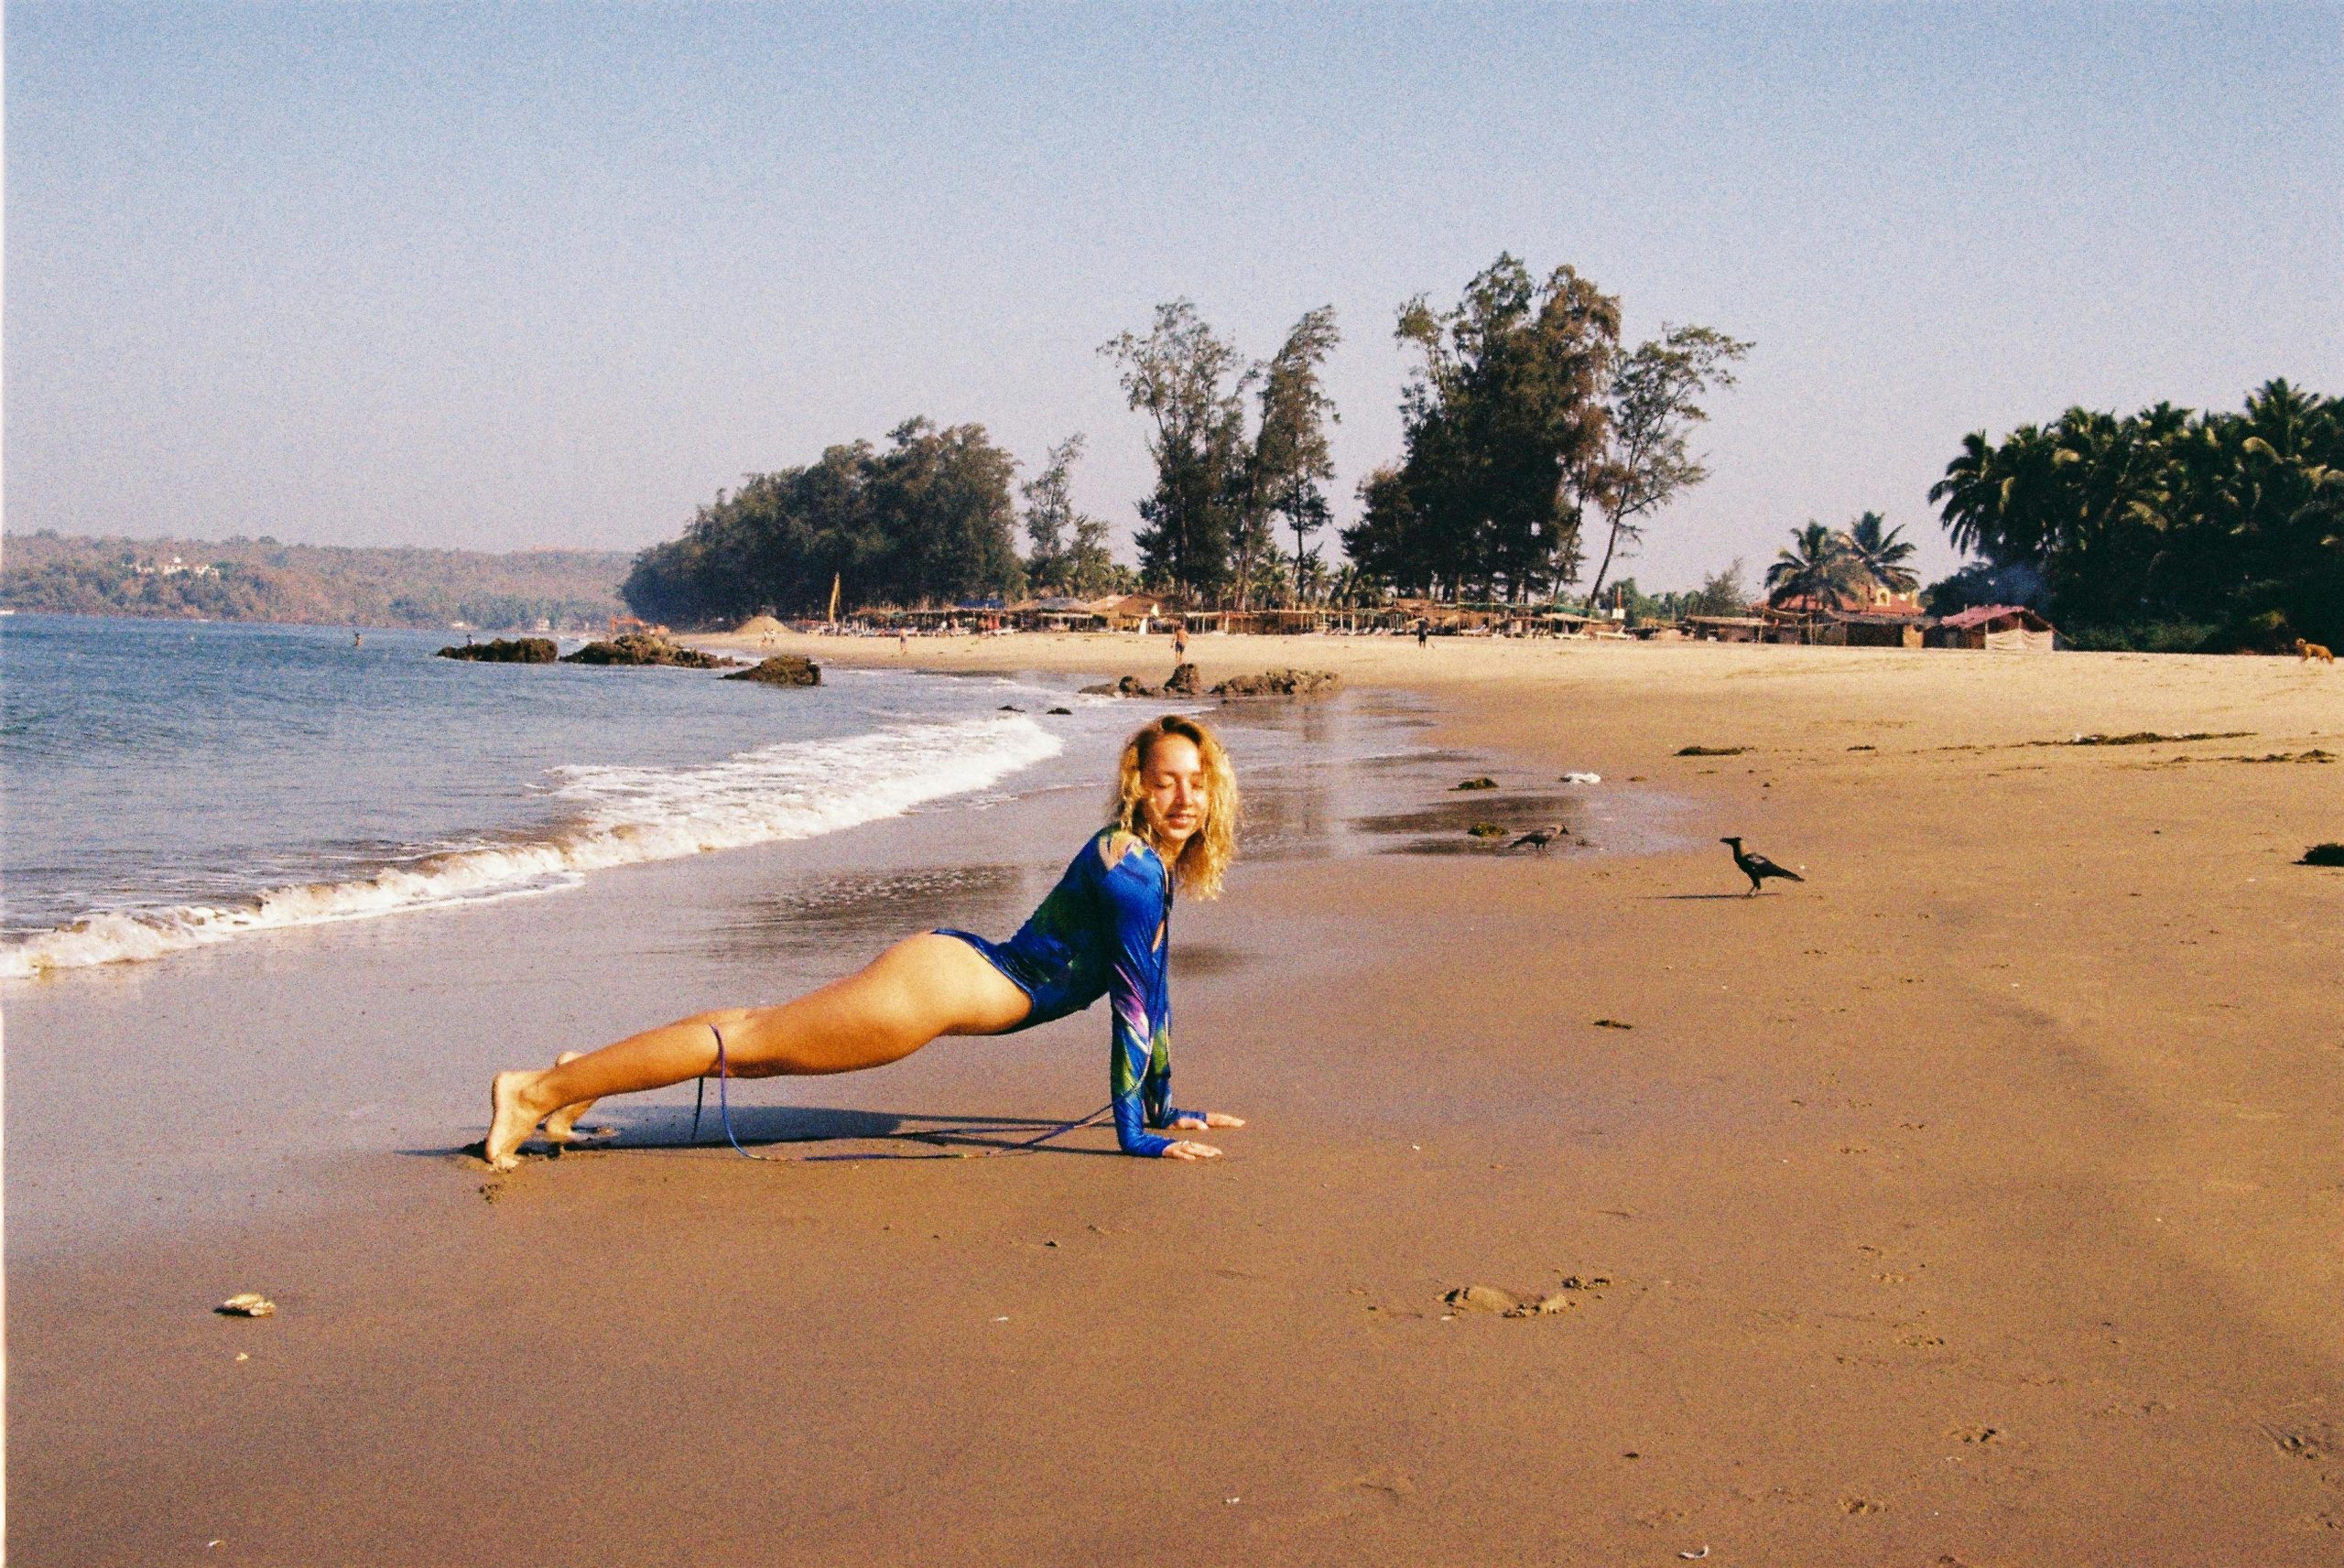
1975 1201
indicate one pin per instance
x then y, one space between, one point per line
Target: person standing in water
1104 930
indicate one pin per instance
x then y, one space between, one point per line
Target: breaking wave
620 817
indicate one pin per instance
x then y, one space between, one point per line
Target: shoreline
1975 1199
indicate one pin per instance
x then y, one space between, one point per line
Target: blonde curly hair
1198 871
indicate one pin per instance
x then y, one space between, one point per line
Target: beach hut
1057 613
1725 628
1129 611
2003 628
1859 629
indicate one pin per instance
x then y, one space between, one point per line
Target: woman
1104 930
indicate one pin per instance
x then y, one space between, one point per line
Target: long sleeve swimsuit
1106 930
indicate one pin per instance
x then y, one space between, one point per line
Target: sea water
171 784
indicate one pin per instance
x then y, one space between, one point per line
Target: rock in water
502 651
783 669
1484 783
1279 683
1480 1298
645 648
247 1303
1185 682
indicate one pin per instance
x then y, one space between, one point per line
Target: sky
509 277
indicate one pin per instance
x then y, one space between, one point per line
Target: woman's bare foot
511 1118
561 1127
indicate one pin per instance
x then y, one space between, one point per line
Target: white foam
795 789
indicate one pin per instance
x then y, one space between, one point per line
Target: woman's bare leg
919 988
561 1127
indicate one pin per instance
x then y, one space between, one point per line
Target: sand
1977 1200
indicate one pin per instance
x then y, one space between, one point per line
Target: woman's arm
1139 1069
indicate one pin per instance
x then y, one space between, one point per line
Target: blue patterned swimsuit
1106 930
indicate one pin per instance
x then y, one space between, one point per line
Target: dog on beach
2310 651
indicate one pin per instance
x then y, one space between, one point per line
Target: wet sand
1978 1201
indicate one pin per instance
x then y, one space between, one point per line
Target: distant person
1424 630
358 639
1106 930
903 642
1180 640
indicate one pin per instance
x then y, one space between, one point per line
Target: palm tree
1880 552
1817 567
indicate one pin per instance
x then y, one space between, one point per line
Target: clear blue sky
508 277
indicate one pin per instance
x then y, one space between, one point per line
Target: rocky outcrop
784 669
1280 683
1130 686
504 651
1186 682
646 648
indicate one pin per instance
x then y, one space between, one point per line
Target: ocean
171 785
308 891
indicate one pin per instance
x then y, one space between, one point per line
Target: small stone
1482 782
247 1303
1485 831
1545 1307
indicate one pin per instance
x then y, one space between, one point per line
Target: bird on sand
1539 838
1757 868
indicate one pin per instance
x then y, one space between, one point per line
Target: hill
260 579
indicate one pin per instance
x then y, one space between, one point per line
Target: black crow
1757 868
1539 837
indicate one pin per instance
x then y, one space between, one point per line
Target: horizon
510 280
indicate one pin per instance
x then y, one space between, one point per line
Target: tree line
262 580
1531 430
2166 529
1537 442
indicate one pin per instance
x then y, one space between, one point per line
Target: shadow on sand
666 1126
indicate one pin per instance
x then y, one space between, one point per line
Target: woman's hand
1209 1118
1186 1149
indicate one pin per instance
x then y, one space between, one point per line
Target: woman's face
1172 782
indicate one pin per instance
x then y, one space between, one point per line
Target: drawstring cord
724 1118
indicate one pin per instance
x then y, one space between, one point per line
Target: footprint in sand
1853 1504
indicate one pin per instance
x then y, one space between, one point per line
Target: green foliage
1191 384
2147 525
928 519
2145 637
1819 566
1981 583
1504 424
1069 554
1290 459
1648 462
1209 531
1832 567
1880 552
1722 593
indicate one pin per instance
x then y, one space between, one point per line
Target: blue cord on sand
724 1117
